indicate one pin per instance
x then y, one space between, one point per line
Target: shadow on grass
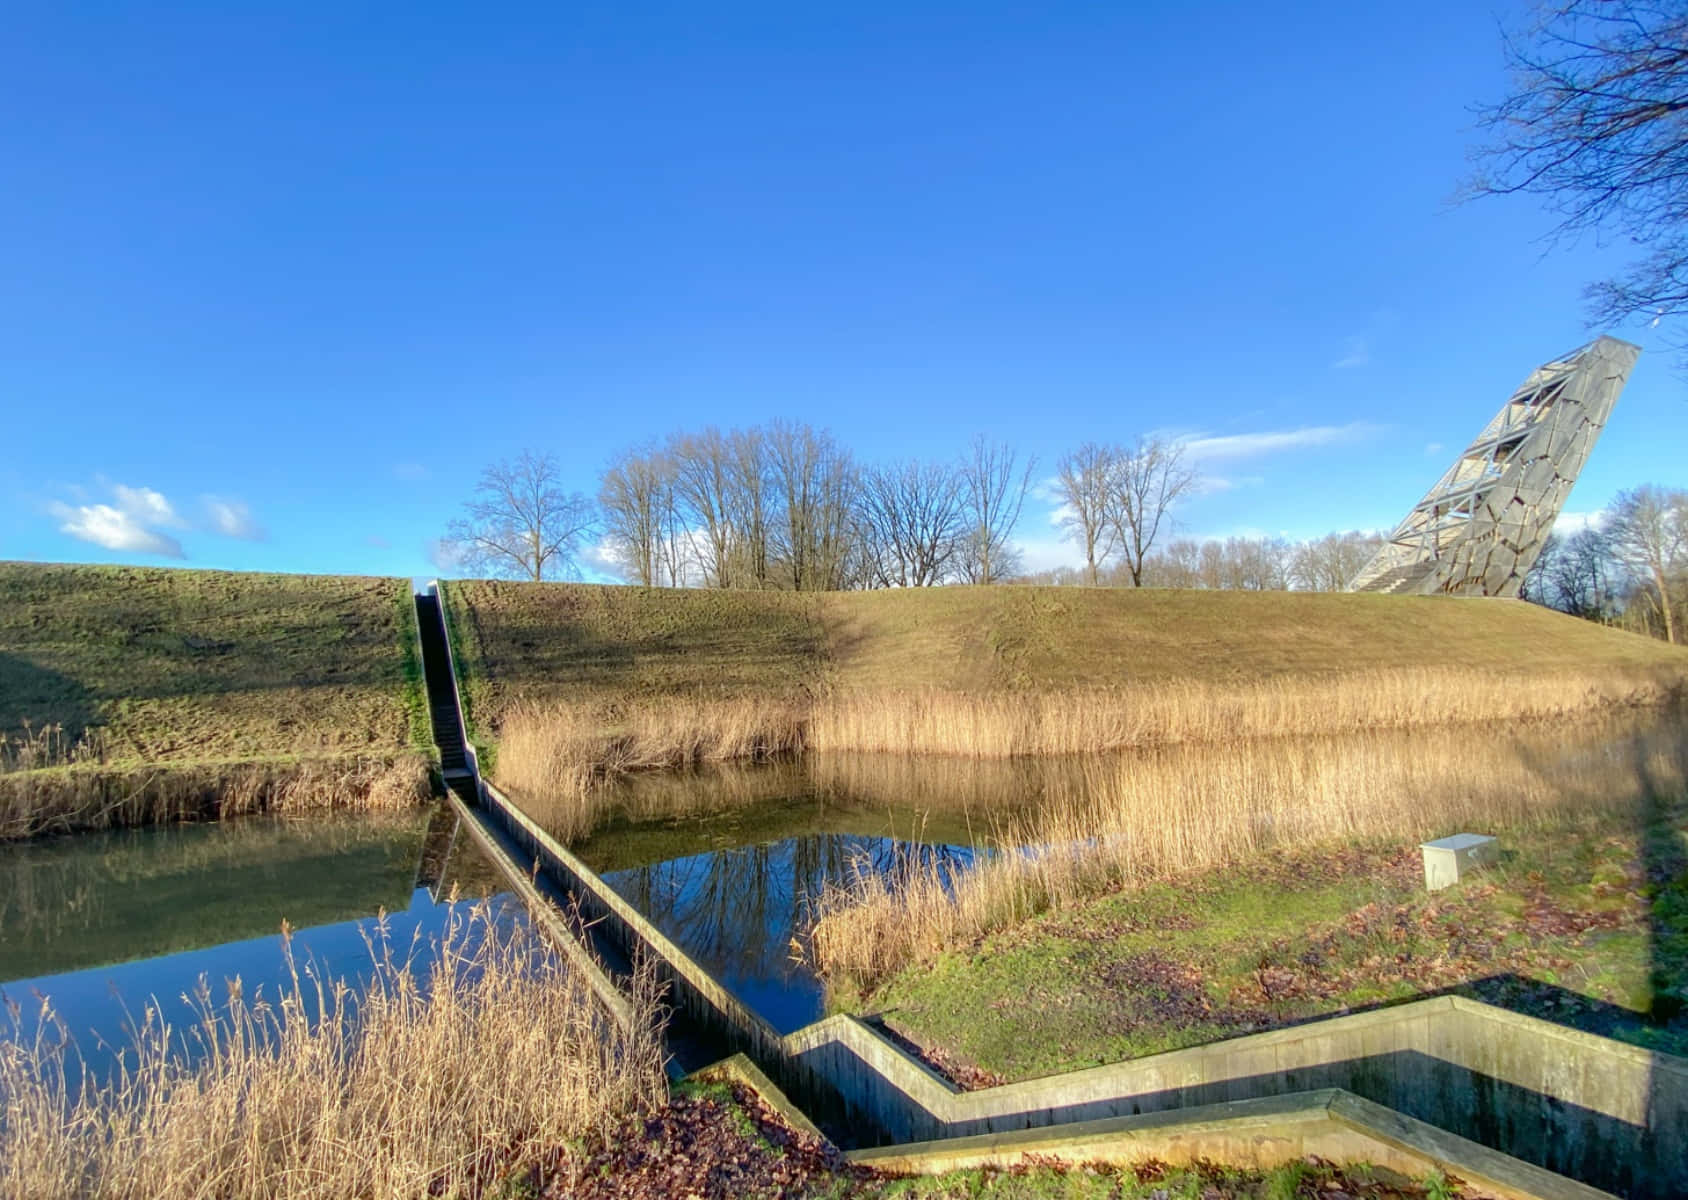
39 696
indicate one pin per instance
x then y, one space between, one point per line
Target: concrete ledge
1330 1123
546 915
741 1070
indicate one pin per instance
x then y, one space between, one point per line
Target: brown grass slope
161 680
576 682
586 643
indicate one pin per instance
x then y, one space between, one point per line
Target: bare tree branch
521 522
1597 126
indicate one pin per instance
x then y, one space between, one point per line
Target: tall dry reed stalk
490 1062
551 755
1009 724
1160 813
32 748
79 798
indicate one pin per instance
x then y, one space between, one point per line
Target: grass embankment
130 695
1191 897
575 681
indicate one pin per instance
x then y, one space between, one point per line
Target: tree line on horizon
786 506
1630 570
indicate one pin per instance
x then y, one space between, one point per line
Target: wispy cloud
1357 355
142 520
445 556
378 542
1433 447
134 523
1047 553
147 506
1252 445
232 518
1568 523
410 471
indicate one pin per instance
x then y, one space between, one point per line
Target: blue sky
275 282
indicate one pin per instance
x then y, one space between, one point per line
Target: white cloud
1045 554
1433 447
1358 355
134 522
1568 523
377 541
1047 489
410 471
146 506
114 528
445 555
232 518
1250 445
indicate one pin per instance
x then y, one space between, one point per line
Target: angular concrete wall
1586 1107
1330 1124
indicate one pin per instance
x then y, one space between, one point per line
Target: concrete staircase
443 710
1401 579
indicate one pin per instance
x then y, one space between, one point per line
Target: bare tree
521 522
747 502
704 485
1149 478
1326 564
992 494
1648 534
912 512
1084 478
634 496
1576 575
1594 125
814 480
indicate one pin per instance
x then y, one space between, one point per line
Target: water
728 861
104 924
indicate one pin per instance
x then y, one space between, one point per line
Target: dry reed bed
1009 724
493 1062
89 796
552 754
1164 812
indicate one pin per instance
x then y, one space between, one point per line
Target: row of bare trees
782 505
1261 564
785 506
1630 570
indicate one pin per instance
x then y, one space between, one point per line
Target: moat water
100 926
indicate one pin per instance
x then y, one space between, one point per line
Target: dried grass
553 755
1097 720
85 796
1160 813
433 1082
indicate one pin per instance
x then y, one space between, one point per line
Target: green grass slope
595 643
179 666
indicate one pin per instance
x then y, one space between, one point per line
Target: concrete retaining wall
1595 1110
1330 1124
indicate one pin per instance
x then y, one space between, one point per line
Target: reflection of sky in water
738 911
97 1004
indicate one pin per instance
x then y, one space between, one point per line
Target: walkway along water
1508 1102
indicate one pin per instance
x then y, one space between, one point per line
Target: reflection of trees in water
741 909
65 887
